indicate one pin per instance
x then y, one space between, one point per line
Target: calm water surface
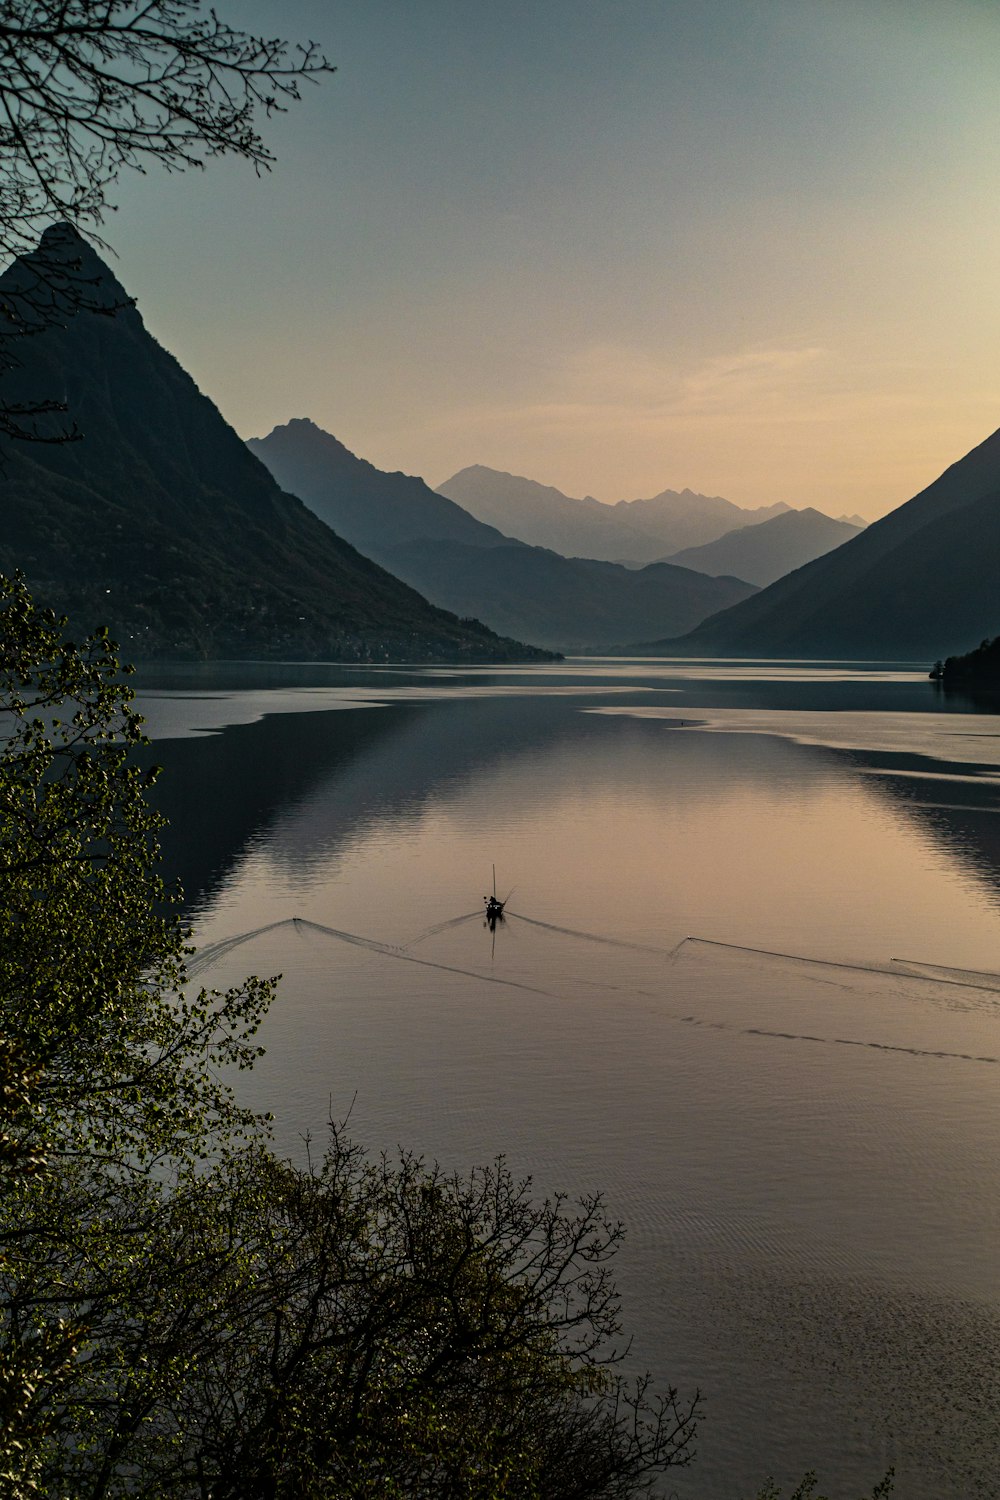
748 987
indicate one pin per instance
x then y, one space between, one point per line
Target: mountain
362 503
469 567
632 532
545 517
919 583
762 553
160 523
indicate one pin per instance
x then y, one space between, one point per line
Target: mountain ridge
633 532
302 455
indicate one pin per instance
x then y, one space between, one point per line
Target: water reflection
801 1135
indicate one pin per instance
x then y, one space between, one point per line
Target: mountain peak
369 507
303 436
60 234
65 274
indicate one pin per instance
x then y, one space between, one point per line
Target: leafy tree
99 1056
109 1082
977 668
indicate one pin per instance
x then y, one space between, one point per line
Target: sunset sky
746 246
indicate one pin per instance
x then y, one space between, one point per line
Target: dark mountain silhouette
568 603
920 583
468 567
633 531
161 524
763 553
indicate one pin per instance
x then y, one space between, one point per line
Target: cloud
609 387
732 380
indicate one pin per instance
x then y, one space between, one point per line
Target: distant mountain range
768 551
470 567
160 523
920 583
632 532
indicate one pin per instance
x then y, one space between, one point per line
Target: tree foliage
979 667
91 955
182 1313
109 1069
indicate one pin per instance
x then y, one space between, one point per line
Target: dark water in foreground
733 992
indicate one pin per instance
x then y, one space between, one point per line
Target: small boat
494 906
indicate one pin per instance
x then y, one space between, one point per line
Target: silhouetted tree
89 88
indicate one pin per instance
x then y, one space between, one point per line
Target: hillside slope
566 603
761 554
921 582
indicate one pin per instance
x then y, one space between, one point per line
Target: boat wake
211 954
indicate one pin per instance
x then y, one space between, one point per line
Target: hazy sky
746 246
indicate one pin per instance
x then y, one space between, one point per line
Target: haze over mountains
161 524
761 553
470 567
633 531
922 582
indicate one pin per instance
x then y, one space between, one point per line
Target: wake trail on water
837 1041
834 963
441 927
909 964
597 937
215 951
225 946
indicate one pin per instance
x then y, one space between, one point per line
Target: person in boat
494 909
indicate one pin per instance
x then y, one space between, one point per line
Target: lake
747 986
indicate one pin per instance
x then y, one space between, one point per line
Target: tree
91 954
109 1084
180 1312
436 1336
806 1490
89 88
